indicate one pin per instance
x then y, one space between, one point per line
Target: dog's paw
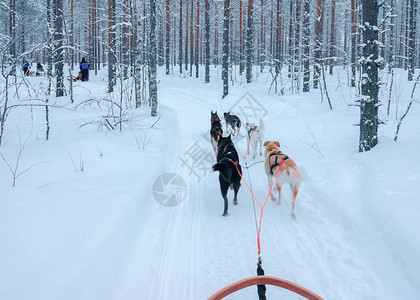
225 214
293 215
235 202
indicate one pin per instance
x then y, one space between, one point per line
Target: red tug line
262 280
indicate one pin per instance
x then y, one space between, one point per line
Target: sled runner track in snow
260 280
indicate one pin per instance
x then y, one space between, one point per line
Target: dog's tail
224 170
261 126
295 176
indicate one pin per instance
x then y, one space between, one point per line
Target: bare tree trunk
306 50
192 37
95 39
197 38
262 38
168 38
249 38
225 57
412 38
296 58
12 33
370 85
58 41
207 38
111 46
391 39
216 36
291 34
332 38
353 43
72 33
241 42
318 43
152 59
180 38
277 40
186 37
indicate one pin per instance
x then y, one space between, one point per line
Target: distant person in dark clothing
84 67
26 67
39 69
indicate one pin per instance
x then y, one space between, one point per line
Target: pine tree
370 84
249 39
152 59
207 42
318 42
332 38
180 38
197 38
112 45
168 38
225 57
306 39
58 43
353 43
412 38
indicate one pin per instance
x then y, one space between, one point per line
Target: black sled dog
233 121
228 176
215 131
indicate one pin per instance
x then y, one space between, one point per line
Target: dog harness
275 162
251 130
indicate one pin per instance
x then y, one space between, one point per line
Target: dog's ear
277 143
212 112
266 143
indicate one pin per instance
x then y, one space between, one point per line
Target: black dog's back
229 176
216 130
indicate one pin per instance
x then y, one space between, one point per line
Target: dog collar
250 130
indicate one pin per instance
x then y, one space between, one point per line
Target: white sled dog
256 135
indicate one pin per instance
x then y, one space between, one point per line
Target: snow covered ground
83 222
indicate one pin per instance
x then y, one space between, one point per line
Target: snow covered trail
204 252
100 234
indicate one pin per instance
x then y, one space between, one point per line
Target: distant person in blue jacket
25 68
84 68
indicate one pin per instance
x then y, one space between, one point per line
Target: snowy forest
297 42
100 97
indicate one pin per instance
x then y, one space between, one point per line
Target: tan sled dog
288 171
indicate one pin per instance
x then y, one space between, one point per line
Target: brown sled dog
288 171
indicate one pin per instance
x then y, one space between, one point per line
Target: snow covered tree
111 45
306 50
207 40
249 39
370 81
353 43
152 59
58 47
318 42
168 37
225 57
412 38
180 61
